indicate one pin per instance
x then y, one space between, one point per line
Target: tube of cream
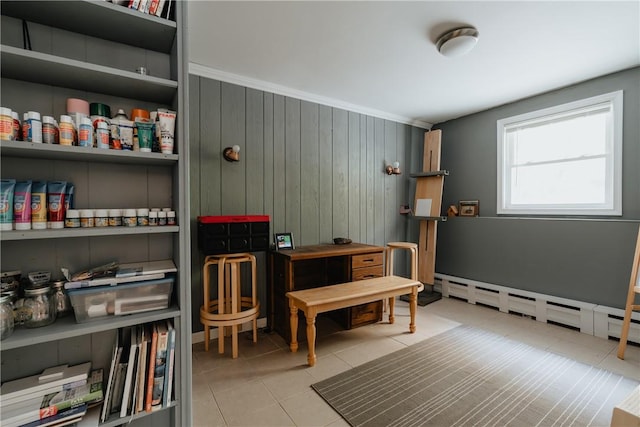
69 197
39 205
55 203
22 205
7 187
167 120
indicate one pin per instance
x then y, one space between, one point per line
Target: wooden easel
634 289
429 185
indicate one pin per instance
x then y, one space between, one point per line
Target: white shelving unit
89 50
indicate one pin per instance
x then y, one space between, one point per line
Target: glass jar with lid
40 304
6 316
63 305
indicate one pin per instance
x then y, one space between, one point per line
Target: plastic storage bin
125 298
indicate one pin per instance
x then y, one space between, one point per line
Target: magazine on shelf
160 365
168 376
63 418
115 359
51 380
46 406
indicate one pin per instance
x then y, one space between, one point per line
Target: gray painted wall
583 259
317 171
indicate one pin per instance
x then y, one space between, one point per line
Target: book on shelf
160 364
121 370
115 360
51 380
62 418
51 404
160 7
142 368
168 376
151 363
132 364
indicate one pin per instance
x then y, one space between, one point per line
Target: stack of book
141 373
60 395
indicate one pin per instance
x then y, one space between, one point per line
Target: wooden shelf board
67 327
61 152
27 65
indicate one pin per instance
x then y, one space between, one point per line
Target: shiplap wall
317 171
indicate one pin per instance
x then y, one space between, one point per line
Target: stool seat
402 245
231 308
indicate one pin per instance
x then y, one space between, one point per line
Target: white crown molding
212 73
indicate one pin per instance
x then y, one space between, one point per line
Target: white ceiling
380 57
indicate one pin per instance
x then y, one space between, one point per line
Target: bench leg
392 303
293 320
413 305
311 337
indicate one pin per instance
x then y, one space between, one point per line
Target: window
564 160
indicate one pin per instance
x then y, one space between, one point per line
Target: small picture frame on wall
284 241
469 208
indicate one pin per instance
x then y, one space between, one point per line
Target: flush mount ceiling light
457 42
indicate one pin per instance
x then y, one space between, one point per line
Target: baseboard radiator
598 320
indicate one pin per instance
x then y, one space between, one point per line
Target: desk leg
311 336
413 305
293 320
392 303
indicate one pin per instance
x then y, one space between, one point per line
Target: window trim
615 99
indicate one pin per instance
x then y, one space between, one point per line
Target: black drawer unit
233 233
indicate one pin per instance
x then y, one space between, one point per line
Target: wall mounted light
230 154
457 42
393 169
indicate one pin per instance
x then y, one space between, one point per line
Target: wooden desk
321 265
319 300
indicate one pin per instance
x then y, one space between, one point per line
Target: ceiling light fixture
457 42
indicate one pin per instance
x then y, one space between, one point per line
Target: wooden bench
327 298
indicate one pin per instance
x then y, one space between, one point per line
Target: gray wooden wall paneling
232 132
326 175
310 174
254 153
291 196
340 183
317 171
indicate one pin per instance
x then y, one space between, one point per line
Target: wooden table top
328 250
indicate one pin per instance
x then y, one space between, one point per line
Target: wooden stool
634 288
413 247
392 246
230 309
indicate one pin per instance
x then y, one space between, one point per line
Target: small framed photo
284 241
469 208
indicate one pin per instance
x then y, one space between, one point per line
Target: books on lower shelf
51 380
141 373
56 406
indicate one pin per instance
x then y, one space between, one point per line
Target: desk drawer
367 273
366 260
365 314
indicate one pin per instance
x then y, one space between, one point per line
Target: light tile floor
267 385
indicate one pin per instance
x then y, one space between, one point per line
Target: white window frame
612 206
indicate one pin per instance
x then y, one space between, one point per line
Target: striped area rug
468 376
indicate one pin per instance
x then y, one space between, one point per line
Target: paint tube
7 187
167 121
22 205
39 205
55 203
69 197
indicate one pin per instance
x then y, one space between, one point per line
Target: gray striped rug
468 376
